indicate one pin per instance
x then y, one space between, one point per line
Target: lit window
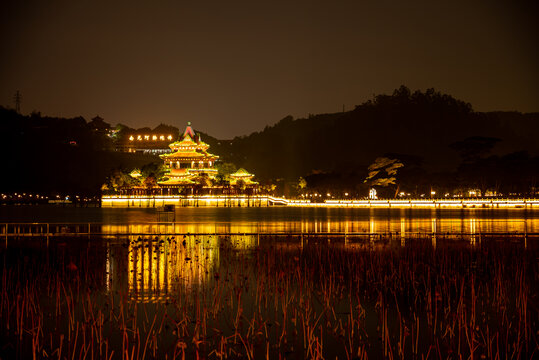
154 137
146 137
162 137
169 137
139 137
131 138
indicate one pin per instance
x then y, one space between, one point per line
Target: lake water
266 296
288 219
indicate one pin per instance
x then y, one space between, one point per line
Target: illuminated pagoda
188 161
242 177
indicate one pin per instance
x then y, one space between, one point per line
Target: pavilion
189 163
191 167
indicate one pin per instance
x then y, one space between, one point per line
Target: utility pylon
17 98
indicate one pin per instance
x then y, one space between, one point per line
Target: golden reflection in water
403 232
465 223
158 267
434 232
155 269
108 269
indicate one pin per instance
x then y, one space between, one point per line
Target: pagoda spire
189 131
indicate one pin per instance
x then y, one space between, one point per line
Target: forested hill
418 125
428 132
47 155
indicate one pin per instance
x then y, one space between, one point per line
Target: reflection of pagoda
159 271
189 162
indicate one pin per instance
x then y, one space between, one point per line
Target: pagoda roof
135 173
242 173
189 131
202 145
184 154
187 141
189 155
246 181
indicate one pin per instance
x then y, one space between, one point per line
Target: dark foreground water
442 284
258 297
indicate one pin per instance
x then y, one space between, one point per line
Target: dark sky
232 67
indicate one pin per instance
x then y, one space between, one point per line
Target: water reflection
158 269
407 224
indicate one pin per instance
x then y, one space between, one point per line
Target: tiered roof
189 149
242 175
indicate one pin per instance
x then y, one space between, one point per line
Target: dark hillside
414 124
55 155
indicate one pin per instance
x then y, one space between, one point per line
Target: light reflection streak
434 232
473 231
156 269
108 269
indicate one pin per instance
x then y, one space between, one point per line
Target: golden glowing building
189 162
242 176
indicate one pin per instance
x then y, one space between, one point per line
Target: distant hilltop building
98 124
147 141
189 162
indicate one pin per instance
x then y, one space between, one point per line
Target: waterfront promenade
263 201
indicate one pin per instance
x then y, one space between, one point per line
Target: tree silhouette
383 172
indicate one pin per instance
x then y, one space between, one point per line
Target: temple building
242 177
189 162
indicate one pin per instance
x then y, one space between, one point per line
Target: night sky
233 67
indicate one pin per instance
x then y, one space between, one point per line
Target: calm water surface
250 296
283 219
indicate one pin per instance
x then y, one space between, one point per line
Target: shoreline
157 201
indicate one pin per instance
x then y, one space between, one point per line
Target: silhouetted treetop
430 101
416 124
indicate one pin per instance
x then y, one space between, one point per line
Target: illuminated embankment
263 200
434 203
199 201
